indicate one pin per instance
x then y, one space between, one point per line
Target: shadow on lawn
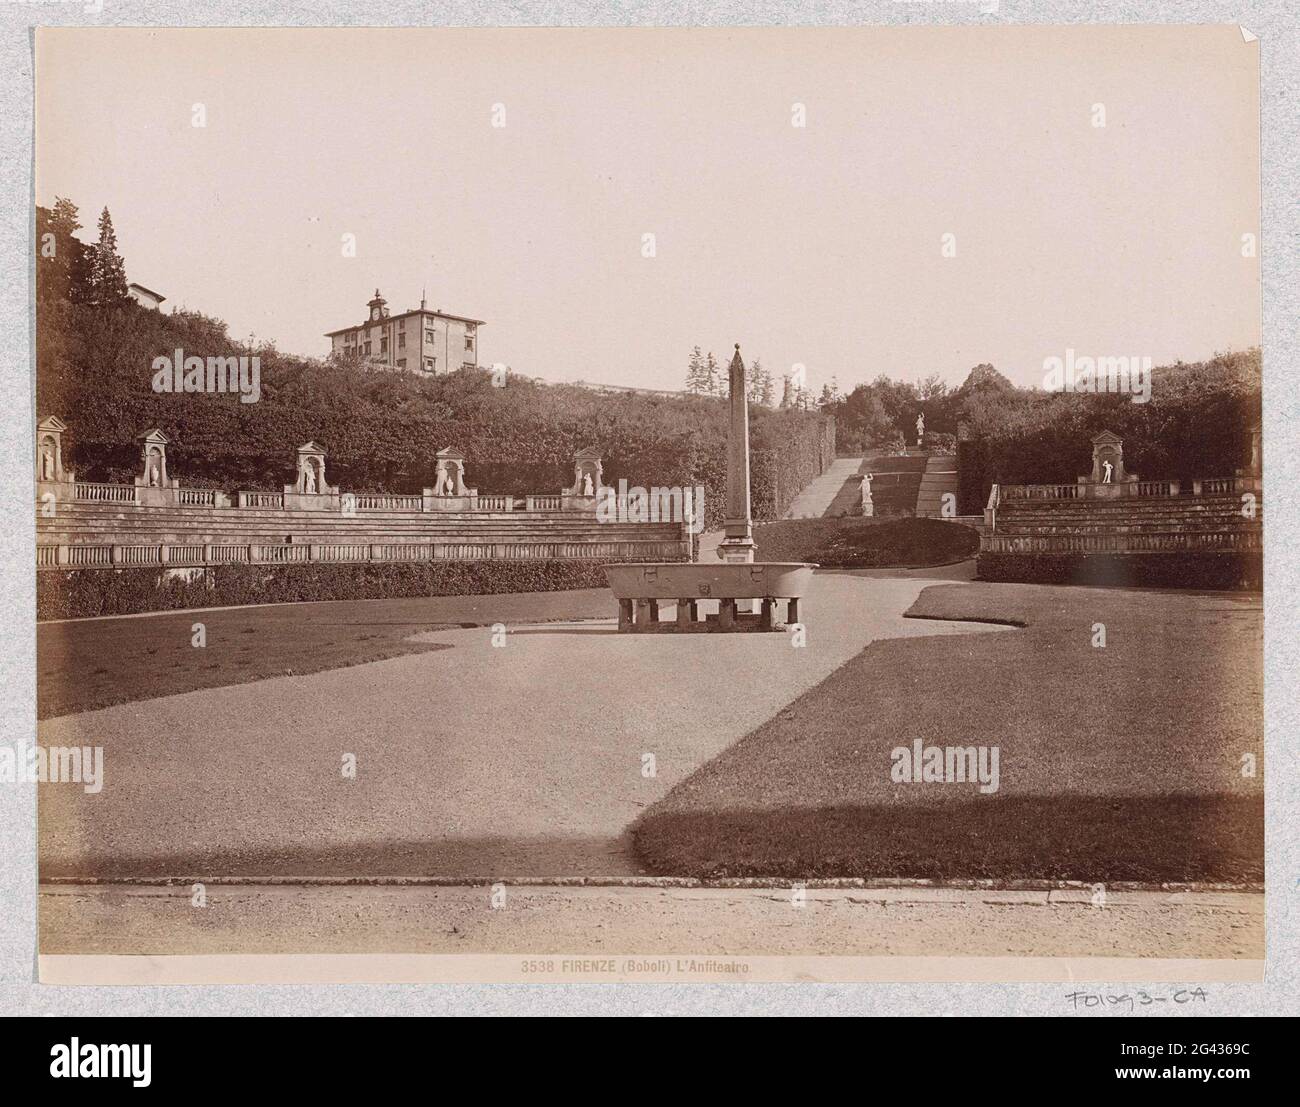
1151 839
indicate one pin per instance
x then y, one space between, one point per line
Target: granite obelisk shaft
738 535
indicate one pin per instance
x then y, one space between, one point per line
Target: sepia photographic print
649 505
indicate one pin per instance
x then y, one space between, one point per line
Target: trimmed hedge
791 451
80 593
1219 571
857 543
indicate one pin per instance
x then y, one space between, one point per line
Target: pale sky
818 245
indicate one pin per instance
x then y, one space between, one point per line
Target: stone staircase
134 527
1195 541
902 484
896 482
1126 516
1207 523
828 494
939 478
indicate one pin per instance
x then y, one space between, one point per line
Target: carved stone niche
51 476
587 481
449 491
154 488
1252 479
1108 476
310 491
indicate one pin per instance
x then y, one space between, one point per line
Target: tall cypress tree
712 384
767 398
759 384
695 372
107 269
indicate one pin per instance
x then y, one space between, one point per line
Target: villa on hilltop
418 341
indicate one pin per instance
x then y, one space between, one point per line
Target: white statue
868 508
1107 469
153 469
920 426
47 463
309 479
588 489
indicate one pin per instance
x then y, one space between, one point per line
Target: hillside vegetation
1196 423
381 429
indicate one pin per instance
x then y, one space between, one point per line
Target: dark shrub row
78 593
1228 571
865 543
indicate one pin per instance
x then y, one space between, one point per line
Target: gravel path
1013 933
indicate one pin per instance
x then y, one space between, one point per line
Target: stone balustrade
259 499
1038 491
91 556
383 502
92 492
105 493
157 523
1003 493
310 491
200 497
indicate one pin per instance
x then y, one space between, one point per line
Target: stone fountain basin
675 581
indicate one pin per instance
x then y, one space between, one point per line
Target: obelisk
737 543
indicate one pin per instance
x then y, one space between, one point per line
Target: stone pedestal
435 502
306 501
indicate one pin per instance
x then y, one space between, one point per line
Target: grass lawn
858 543
91 663
1121 763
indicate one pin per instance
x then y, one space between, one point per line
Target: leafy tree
830 394
63 261
932 389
